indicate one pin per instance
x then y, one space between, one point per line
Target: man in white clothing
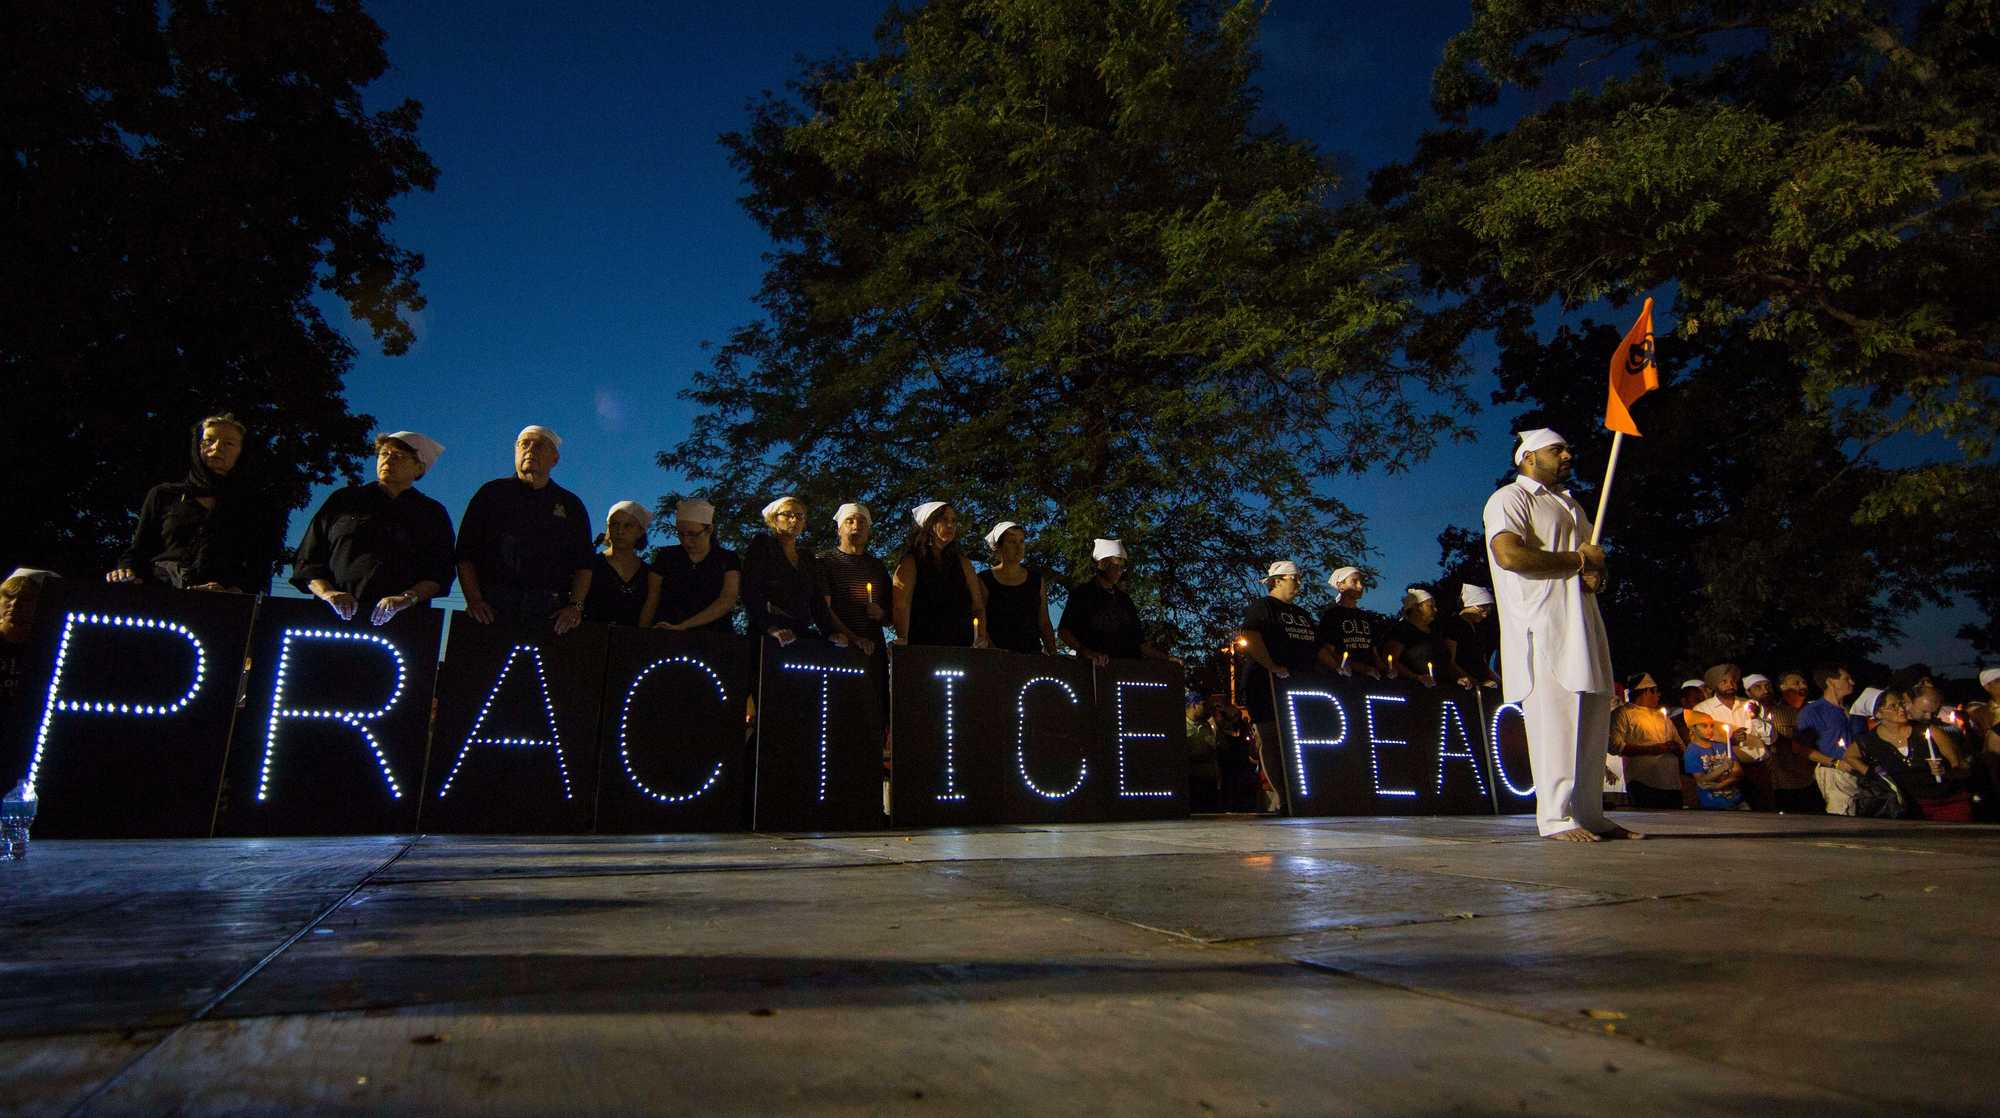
1555 660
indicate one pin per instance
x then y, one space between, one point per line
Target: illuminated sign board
819 738
673 756
1352 746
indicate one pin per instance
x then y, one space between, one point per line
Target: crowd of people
524 553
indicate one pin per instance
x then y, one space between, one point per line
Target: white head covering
1000 529
637 511
1864 704
1695 683
1470 595
1281 568
853 508
1753 679
1988 676
35 574
538 429
772 508
1106 549
694 510
1532 441
1342 575
922 513
427 448
1416 594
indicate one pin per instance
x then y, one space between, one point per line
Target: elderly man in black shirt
383 545
524 543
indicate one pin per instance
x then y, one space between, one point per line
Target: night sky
585 241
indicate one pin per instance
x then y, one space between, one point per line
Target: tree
1813 186
180 180
1036 257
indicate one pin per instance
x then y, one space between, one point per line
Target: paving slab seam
484 878
83 1105
1259 942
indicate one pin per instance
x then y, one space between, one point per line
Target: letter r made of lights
1021 741
1126 734
357 720
57 703
625 729
1300 742
474 737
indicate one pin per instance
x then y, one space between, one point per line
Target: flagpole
1604 494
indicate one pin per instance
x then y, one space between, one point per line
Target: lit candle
1392 663
975 630
869 587
1932 742
1343 661
1430 667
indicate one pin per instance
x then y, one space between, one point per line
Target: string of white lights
1300 741
55 704
1021 741
951 676
625 722
827 672
356 719
1118 705
1376 741
1448 717
1499 765
553 741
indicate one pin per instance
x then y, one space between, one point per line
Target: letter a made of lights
1300 741
553 741
1124 735
56 704
1021 741
625 725
1448 718
827 672
356 719
1499 765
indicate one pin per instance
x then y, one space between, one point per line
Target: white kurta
1554 659
1553 620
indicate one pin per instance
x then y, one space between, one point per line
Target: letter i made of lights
1376 741
553 741
57 704
1449 718
1124 735
356 719
1300 742
1021 741
827 672
625 725
1499 765
951 676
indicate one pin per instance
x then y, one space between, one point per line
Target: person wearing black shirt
1280 639
1346 632
1017 597
1413 648
384 544
938 599
524 542
1099 621
1470 637
854 582
700 580
1924 764
214 530
782 595
623 589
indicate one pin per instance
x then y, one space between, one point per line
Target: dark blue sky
585 240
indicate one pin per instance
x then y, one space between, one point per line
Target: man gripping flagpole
1633 374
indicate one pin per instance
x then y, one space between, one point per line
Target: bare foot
1574 834
1617 832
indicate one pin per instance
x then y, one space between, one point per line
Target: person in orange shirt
1642 734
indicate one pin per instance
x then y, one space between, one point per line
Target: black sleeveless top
941 607
612 600
1014 613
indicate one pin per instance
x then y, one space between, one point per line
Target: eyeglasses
788 515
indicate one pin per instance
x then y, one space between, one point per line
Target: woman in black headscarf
214 530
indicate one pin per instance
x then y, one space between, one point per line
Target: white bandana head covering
32 574
1532 441
694 510
635 510
1470 596
1280 569
999 530
1106 549
771 509
538 429
853 508
1864 704
1342 575
427 449
1753 679
1988 676
1694 683
922 513
1416 594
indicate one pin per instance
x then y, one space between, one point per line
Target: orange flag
1633 373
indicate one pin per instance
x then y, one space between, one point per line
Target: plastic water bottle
17 813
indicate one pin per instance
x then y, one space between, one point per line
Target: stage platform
1733 964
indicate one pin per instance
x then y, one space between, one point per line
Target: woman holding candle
1924 765
938 599
1413 647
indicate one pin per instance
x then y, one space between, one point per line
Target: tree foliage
1037 257
1813 185
180 180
